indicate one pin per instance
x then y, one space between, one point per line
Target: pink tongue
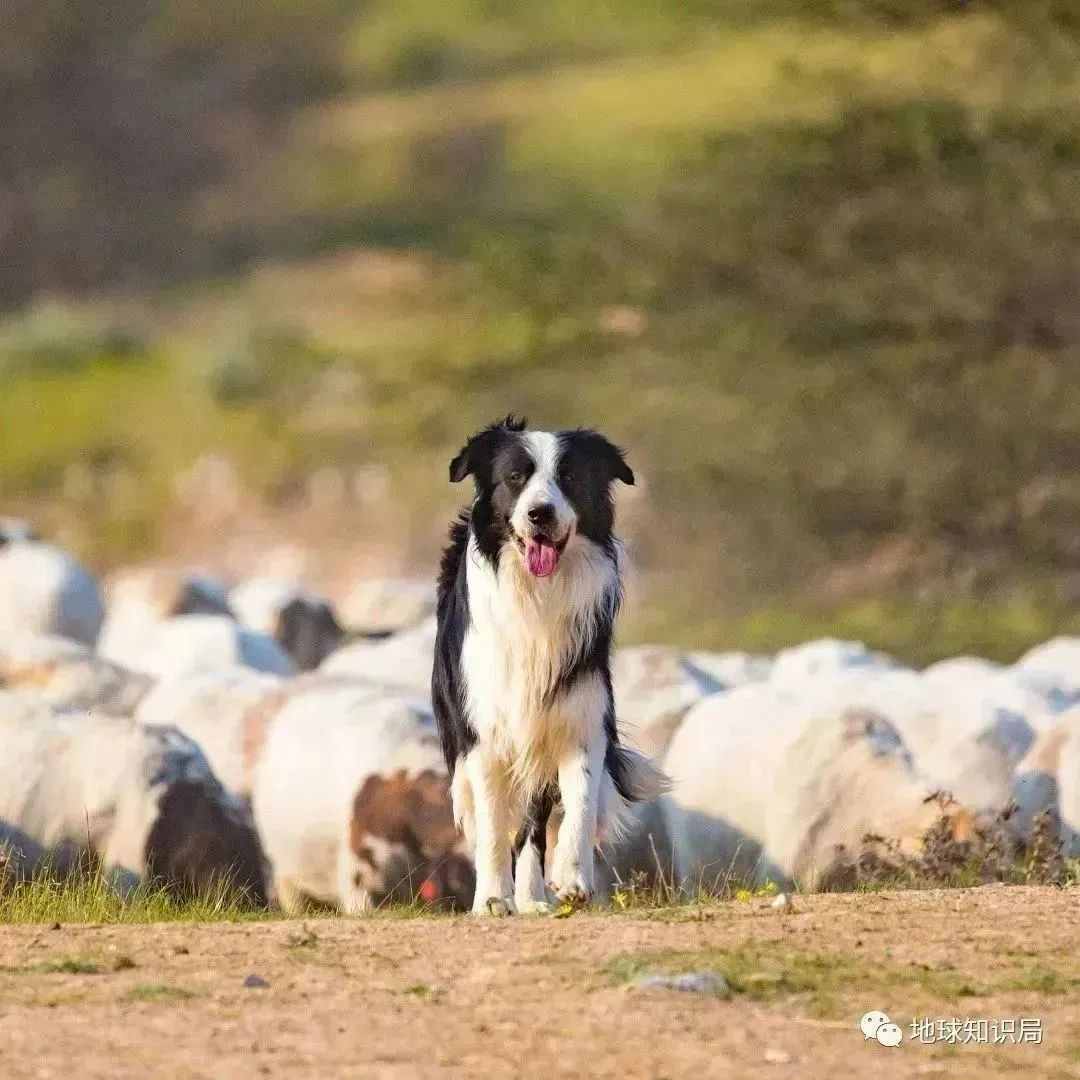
541 558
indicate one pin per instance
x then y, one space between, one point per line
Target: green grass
770 973
66 965
155 993
91 898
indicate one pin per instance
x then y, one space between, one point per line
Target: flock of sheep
171 729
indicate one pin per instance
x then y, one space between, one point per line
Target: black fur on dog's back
447 692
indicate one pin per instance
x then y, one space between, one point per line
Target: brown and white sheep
351 799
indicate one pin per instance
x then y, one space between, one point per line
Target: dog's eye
566 476
516 477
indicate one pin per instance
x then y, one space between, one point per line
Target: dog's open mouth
542 553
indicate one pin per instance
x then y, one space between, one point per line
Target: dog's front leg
574 866
491 807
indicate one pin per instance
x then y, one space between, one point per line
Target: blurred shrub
264 366
116 114
876 313
53 337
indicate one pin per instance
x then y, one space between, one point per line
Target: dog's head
536 491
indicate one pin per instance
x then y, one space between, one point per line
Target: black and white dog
529 591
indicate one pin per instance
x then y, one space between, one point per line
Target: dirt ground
441 996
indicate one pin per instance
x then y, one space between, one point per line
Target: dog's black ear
461 466
616 461
482 446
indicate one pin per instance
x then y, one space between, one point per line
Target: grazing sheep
217 709
1048 781
655 686
187 643
44 591
351 799
828 656
964 738
1068 779
68 675
960 669
303 624
153 593
767 786
401 662
388 605
1054 669
140 600
142 801
16 531
730 669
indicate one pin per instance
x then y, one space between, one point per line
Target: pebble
255 982
777 1057
695 982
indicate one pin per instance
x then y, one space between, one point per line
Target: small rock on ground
777 1057
695 982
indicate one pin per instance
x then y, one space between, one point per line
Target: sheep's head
405 842
199 840
308 631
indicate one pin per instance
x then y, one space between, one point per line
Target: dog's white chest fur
523 633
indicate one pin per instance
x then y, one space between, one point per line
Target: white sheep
965 737
16 530
140 599
655 686
1047 781
224 711
388 605
303 623
1053 668
143 801
767 785
68 675
187 643
825 657
401 662
44 591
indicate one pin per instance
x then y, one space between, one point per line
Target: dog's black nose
542 514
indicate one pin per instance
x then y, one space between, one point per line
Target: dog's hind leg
530 847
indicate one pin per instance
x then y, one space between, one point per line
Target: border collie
529 590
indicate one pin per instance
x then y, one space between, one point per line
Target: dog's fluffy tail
629 777
634 775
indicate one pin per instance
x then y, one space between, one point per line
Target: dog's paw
575 893
498 907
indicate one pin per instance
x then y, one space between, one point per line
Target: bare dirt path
449 997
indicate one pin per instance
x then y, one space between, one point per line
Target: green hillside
815 264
